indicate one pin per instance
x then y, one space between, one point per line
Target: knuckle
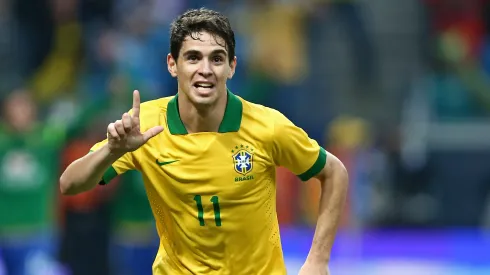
113 136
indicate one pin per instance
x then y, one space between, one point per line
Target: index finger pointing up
136 103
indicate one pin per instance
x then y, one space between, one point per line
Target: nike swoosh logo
165 162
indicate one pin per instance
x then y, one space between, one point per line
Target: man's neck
202 118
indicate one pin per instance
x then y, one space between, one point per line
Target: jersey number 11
200 210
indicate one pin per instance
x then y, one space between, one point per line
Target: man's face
20 110
202 68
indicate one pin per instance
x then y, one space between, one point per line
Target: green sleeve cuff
317 166
109 174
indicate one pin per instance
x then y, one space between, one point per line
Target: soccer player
208 161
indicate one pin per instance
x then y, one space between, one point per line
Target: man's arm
293 149
86 172
123 136
334 184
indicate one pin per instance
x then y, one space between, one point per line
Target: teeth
204 85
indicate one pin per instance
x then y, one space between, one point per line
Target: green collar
230 123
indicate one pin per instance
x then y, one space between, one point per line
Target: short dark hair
194 21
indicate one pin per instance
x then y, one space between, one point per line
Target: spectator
28 188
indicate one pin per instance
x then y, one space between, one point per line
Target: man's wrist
112 155
318 258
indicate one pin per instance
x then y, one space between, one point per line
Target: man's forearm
86 172
334 191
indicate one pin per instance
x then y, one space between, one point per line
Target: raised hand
124 135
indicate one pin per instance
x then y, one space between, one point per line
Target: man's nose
205 68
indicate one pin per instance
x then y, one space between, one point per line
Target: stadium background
399 90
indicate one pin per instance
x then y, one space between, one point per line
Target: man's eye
217 59
192 57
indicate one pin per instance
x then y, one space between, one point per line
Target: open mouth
203 85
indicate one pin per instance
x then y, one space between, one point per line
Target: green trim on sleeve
317 166
109 174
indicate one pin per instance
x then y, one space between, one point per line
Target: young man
208 161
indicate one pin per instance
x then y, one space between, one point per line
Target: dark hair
194 21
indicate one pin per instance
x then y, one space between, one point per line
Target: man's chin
204 98
204 92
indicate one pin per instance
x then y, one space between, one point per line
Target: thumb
152 132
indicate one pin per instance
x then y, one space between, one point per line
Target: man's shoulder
151 111
159 104
260 120
259 111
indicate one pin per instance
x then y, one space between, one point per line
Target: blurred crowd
398 90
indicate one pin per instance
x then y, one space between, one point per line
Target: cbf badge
243 162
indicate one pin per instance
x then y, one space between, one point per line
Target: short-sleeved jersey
213 193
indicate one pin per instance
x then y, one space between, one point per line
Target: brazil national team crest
243 162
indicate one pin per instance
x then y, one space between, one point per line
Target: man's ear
232 67
172 65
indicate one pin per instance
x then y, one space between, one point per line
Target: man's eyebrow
199 53
192 52
219 51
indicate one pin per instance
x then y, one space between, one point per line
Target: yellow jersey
213 193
